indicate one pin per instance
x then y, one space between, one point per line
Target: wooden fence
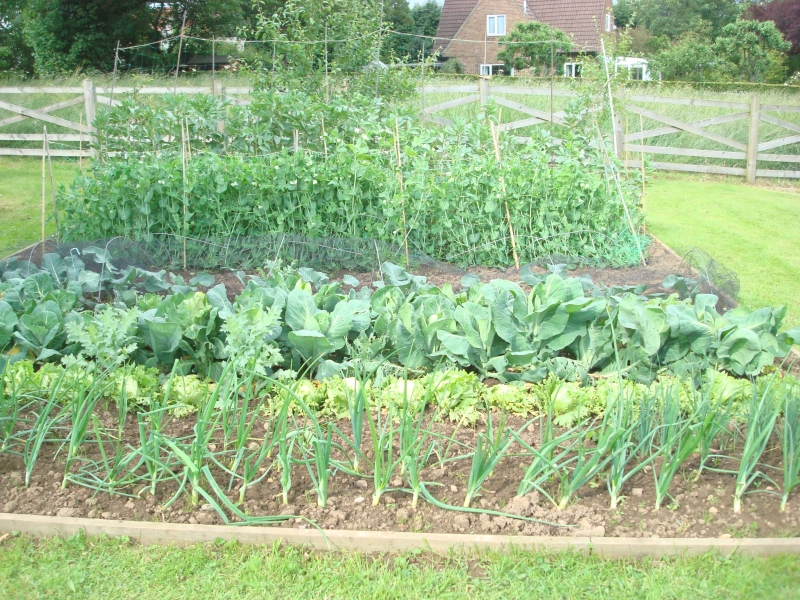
628 144
751 152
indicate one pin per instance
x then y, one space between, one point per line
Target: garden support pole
89 103
219 92
496 140
402 188
752 139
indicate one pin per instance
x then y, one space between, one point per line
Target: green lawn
753 230
21 200
103 568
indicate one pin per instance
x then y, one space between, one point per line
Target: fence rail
643 143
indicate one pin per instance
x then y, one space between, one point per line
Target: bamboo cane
183 171
496 140
52 179
402 188
44 131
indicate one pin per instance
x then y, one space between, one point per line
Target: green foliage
688 58
421 20
751 48
344 183
674 18
534 45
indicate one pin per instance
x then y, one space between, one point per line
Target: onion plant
84 394
416 448
590 461
762 415
13 404
626 448
675 441
790 436
489 451
713 418
48 414
194 454
385 459
321 459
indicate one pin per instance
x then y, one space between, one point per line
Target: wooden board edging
388 541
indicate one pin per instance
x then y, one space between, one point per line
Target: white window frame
487 70
609 22
495 20
571 69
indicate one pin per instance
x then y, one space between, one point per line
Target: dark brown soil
700 508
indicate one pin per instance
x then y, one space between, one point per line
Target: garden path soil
700 508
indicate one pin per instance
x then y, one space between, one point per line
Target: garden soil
697 507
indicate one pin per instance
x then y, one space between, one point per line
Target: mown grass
753 230
21 200
106 568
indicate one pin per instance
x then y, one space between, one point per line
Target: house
469 29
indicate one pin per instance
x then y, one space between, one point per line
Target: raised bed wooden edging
389 541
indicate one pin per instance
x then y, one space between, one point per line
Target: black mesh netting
711 276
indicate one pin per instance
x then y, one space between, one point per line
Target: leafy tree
529 46
624 13
15 54
68 35
397 17
675 18
690 58
751 48
786 16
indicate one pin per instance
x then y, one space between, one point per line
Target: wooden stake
183 170
324 141
402 188
296 141
641 164
80 143
627 158
496 140
621 195
52 179
43 181
180 47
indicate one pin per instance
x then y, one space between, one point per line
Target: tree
690 58
15 54
532 45
751 48
675 18
624 12
786 16
68 35
397 17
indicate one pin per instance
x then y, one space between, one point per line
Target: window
609 22
637 72
495 24
494 69
572 69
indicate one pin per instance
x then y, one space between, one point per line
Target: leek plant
489 451
790 436
675 441
761 418
151 444
385 460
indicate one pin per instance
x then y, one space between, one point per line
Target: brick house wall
484 50
583 20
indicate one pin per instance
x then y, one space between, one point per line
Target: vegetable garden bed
128 427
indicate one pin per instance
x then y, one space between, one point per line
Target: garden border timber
390 541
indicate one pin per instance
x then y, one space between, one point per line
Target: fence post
483 89
219 92
619 139
752 138
89 103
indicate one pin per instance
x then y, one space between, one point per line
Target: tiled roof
583 20
454 13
